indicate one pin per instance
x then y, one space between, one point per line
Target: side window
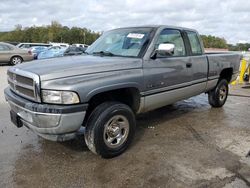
173 37
1 47
25 46
4 48
9 48
195 43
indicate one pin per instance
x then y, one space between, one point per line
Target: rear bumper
53 122
27 57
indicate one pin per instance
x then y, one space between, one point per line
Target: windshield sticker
135 35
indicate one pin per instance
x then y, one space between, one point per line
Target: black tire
16 60
97 133
218 96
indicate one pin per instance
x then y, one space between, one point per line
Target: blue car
53 51
36 50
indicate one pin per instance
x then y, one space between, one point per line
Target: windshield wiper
106 53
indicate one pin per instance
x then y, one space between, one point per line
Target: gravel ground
188 144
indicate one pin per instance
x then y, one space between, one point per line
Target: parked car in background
13 43
73 50
13 55
29 45
53 51
65 45
81 45
36 50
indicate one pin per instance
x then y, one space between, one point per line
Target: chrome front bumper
52 122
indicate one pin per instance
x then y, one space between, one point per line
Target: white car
59 44
27 45
81 45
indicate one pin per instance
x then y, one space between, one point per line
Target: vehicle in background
81 45
13 43
29 45
65 45
73 50
53 51
13 55
36 50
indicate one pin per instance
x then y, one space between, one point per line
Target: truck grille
24 83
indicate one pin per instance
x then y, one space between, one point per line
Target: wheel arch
227 74
127 94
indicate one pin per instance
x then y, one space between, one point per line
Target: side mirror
164 50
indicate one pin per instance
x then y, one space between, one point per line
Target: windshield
128 42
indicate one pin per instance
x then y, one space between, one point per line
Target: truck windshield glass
127 42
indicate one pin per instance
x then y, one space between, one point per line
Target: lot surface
187 144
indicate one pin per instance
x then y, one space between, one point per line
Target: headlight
60 97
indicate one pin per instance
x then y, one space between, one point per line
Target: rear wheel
218 96
110 129
16 60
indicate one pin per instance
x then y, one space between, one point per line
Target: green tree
214 42
54 32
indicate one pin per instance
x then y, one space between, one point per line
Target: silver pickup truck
125 72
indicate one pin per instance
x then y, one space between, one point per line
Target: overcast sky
229 18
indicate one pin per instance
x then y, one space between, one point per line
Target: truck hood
78 65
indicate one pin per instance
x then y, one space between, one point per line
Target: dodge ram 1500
125 72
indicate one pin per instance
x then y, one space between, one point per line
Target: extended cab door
165 76
198 62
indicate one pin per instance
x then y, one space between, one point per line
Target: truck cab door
165 74
198 62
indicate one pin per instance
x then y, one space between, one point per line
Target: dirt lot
187 144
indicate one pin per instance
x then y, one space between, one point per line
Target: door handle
188 65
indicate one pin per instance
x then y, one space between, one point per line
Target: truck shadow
78 144
160 117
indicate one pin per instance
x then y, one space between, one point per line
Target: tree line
55 32
217 42
214 42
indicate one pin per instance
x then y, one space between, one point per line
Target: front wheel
218 96
110 129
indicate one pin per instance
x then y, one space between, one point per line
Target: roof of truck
161 26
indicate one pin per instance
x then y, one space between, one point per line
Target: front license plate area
15 119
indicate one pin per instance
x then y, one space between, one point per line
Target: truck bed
222 60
